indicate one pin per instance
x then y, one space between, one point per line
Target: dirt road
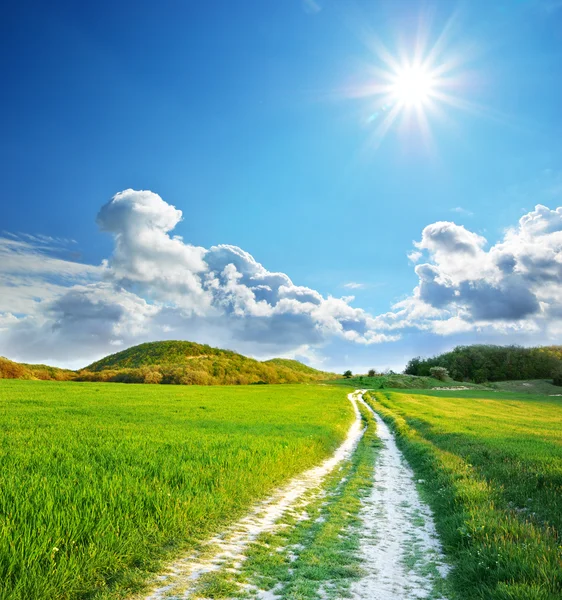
399 546
400 554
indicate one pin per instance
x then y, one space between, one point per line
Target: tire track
227 550
401 552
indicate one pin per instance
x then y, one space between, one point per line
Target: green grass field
99 483
398 381
531 386
491 463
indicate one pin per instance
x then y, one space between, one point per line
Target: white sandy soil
399 546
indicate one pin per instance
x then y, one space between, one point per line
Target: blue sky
245 116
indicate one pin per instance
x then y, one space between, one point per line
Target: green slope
180 362
159 353
403 382
13 370
296 366
175 362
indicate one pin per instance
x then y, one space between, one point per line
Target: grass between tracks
315 548
492 471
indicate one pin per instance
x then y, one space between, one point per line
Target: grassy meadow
543 387
491 467
99 483
396 381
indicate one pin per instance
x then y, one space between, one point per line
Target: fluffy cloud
155 285
81 324
31 273
146 259
514 285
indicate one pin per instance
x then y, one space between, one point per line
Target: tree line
481 363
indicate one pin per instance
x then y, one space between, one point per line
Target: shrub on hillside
12 370
47 373
151 375
372 373
440 373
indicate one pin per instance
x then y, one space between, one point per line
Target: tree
557 376
372 373
414 366
440 373
348 374
481 363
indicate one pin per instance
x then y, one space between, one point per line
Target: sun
415 87
412 85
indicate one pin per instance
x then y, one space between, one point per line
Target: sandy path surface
401 551
228 548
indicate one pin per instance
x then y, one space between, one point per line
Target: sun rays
411 90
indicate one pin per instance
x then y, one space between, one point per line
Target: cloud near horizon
514 286
156 286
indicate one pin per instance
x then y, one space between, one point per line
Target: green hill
403 382
159 353
176 362
181 362
295 365
13 370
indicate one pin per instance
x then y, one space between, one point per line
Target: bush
12 370
372 373
152 376
348 374
557 377
440 373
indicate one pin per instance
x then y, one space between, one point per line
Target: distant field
99 482
402 382
491 465
531 386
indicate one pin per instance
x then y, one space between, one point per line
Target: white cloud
414 256
30 275
156 286
514 286
462 211
311 7
353 285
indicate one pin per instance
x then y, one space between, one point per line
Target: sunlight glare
412 86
